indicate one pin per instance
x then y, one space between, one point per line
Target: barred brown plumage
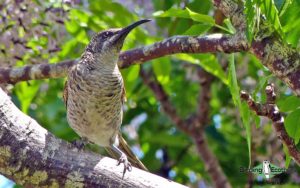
94 94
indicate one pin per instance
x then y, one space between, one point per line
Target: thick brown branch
282 60
202 115
270 110
210 161
173 45
193 126
33 157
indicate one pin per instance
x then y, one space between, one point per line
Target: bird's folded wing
65 93
130 155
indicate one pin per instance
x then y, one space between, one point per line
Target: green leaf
26 91
208 62
118 14
200 17
233 84
197 29
68 48
245 113
162 70
82 37
81 17
72 26
282 5
287 156
289 104
250 18
243 107
269 9
229 25
164 139
292 125
186 13
189 14
133 73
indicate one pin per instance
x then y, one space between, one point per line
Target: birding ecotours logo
265 170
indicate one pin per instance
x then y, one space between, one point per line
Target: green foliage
269 9
208 62
292 125
292 28
289 103
252 17
243 108
162 69
187 13
26 91
263 17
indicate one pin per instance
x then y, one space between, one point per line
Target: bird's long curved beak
124 32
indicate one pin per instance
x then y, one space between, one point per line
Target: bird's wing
131 156
124 147
65 93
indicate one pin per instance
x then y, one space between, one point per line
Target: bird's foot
127 165
80 143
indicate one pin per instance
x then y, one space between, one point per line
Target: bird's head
111 41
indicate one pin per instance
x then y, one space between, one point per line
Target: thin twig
271 111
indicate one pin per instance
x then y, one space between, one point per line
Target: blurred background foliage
51 31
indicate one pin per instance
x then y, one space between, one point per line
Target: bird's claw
127 165
80 143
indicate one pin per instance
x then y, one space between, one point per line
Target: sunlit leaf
25 93
208 62
282 5
289 104
232 82
197 29
200 17
133 73
162 70
270 11
292 125
288 158
82 37
243 107
229 25
186 13
250 12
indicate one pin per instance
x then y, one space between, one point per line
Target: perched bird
94 94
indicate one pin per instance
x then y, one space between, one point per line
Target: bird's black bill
124 32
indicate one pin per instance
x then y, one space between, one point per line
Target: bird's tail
124 147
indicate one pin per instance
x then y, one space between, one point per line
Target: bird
94 94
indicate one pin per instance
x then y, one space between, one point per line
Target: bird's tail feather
124 147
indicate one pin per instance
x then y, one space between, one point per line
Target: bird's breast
95 104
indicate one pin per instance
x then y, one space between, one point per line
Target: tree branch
173 45
33 157
193 126
270 110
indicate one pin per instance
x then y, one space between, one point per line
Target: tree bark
33 157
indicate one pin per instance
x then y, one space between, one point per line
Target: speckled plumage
94 94
95 98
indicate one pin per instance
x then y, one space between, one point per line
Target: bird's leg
80 143
123 159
